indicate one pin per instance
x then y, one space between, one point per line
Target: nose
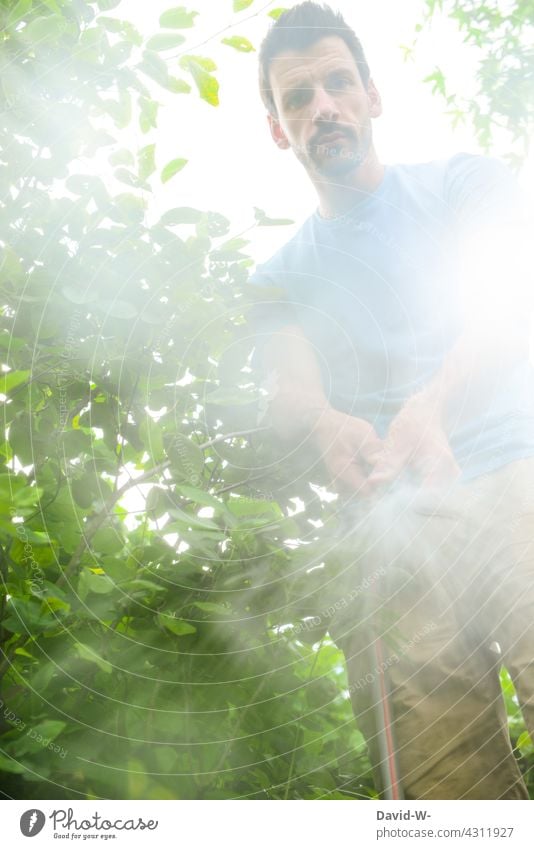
324 107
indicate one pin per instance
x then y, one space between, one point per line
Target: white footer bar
268 825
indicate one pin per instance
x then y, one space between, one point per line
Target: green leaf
121 157
165 41
188 520
240 5
437 78
143 584
155 67
21 437
87 653
118 569
37 736
524 743
27 615
212 607
11 765
99 584
24 653
181 215
177 18
108 541
49 729
254 507
151 434
206 83
125 28
107 5
199 496
44 29
179 627
178 86
148 114
10 484
239 42
204 62
132 207
147 161
11 268
121 109
172 168
276 13
12 379
187 460
30 495
157 502
263 219
18 12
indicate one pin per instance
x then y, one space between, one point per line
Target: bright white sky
233 164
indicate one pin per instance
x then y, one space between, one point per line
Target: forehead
293 66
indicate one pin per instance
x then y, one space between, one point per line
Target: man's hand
349 448
416 442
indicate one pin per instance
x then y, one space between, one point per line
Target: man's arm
300 410
417 439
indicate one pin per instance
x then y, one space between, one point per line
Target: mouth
330 138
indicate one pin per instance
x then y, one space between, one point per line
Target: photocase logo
32 822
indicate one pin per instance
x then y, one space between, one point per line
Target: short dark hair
300 28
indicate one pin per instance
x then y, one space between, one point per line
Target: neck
337 196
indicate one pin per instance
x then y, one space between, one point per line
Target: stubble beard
338 159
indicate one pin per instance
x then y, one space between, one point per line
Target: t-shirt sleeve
490 217
271 308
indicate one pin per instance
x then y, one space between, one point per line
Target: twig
222 436
240 483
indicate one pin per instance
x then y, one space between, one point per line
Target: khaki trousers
447 584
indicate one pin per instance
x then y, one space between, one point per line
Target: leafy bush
144 559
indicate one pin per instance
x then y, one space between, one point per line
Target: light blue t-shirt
381 293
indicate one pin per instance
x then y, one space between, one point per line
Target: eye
298 98
338 82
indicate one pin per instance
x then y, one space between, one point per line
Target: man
399 344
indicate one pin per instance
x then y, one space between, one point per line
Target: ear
375 101
277 133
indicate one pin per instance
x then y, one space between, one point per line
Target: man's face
324 110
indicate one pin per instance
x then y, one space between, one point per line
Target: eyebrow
301 84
